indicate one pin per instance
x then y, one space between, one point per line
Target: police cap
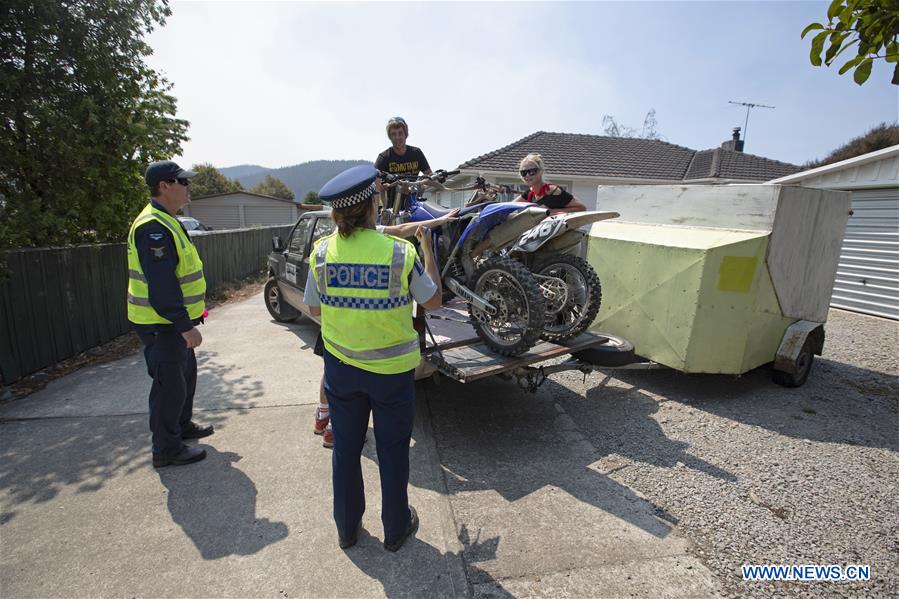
352 186
165 170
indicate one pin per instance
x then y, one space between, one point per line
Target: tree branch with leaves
872 26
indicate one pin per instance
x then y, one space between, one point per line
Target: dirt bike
571 288
505 302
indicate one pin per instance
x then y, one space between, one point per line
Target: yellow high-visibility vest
366 307
189 272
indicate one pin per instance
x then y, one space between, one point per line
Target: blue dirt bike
504 300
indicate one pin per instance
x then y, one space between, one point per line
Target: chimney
735 144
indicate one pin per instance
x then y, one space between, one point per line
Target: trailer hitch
530 378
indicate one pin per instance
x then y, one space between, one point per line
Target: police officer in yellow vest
166 300
363 283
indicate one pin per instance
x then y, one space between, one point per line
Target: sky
280 83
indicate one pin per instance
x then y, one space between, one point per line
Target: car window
298 239
323 226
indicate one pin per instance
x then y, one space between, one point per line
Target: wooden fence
58 302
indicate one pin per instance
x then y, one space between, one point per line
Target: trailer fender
793 341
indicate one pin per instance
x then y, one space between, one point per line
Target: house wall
234 211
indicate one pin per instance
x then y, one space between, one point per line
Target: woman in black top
552 196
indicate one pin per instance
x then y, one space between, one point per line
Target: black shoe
347 543
413 526
187 455
196 431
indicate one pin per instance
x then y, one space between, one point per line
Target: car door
324 225
294 281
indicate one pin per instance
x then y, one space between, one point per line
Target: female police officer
362 283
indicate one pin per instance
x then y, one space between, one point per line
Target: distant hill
236 172
300 178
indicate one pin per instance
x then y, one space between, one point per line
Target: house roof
884 154
246 193
627 157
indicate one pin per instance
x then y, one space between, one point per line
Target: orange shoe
320 423
328 437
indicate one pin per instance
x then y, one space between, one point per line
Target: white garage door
269 215
868 275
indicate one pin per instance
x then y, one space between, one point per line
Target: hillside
300 178
236 172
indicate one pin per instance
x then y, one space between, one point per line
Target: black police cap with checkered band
351 187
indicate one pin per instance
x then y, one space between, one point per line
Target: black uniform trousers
173 368
353 394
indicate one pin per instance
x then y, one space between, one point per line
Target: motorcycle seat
434 211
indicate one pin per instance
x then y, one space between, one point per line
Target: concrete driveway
519 494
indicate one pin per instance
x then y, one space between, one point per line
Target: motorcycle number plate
543 231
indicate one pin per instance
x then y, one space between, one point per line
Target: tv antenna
749 106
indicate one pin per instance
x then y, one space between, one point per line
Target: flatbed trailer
454 350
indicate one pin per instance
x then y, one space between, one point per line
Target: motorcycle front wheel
518 321
572 293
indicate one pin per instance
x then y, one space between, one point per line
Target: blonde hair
536 159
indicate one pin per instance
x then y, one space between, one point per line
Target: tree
209 181
312 198
612 128
274 187
871 24
882 136
81 116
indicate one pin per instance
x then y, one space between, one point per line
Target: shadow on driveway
390 569
215 506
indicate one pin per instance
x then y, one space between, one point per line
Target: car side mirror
277 244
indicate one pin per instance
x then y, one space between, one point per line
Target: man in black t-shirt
400 159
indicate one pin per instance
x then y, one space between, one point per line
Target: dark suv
288 265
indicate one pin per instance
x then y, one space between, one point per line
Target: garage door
868 275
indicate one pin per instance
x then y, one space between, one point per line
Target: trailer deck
454 349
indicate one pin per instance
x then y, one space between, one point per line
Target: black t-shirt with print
550 200
407 166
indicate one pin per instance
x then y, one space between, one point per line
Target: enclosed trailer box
719 279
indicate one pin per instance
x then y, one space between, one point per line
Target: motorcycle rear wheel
579 301
513 291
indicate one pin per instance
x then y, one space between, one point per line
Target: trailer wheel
617 351
277 307
804 362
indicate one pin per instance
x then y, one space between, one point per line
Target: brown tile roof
602 156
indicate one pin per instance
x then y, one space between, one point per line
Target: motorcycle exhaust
511 229
469 296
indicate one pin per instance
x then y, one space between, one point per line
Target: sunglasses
183 181
528 172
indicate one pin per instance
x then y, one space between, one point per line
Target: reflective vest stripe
195 276
138 301
396 269
320 267
382 353
143 301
